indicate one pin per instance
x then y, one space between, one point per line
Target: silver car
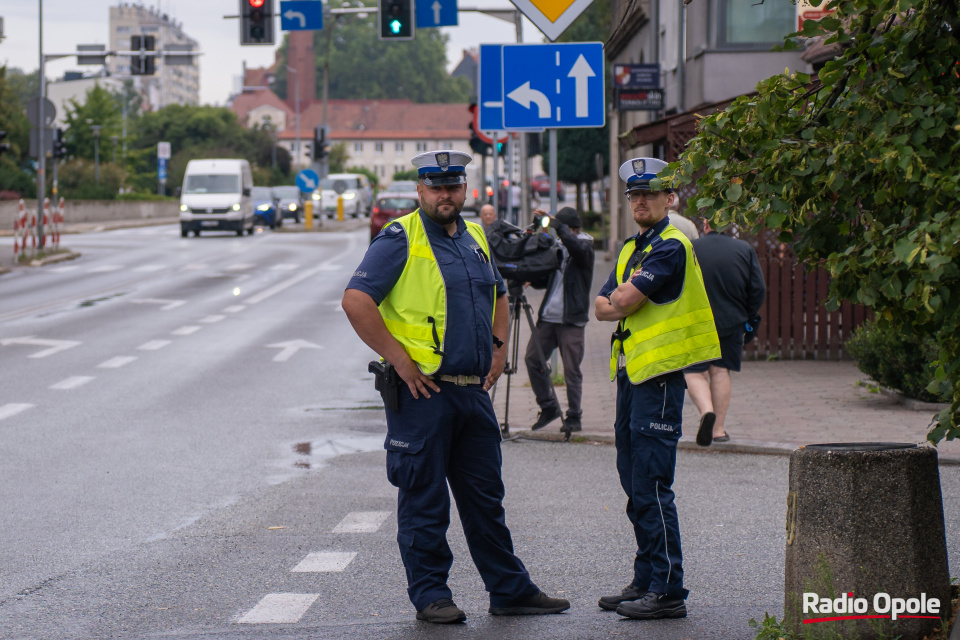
291 202
355 189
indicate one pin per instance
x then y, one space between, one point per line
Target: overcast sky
67 23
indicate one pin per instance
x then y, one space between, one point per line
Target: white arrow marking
291 347
524 95
12 409
296 15
436 6
167 304
55 345
580 71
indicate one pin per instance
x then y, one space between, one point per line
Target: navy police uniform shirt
470 280
661 278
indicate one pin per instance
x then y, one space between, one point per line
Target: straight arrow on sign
580 71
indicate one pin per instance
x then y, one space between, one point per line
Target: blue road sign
161 168
490 91
301 15
308 180
553 85
436 13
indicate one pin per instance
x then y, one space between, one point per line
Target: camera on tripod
525 255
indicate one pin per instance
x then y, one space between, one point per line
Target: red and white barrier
46 222
57 224
19 230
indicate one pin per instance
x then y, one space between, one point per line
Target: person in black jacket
735 287
561 321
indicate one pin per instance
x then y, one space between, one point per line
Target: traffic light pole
41 152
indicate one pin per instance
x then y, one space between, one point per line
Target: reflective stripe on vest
660 338
415 310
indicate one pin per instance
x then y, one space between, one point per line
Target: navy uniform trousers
454 437
647 428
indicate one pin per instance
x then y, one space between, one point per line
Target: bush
140 195
77 180
895 361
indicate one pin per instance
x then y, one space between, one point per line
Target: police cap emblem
639 167
443 161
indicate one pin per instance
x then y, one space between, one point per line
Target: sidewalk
775 407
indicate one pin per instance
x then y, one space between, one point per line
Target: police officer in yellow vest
428 298
664 324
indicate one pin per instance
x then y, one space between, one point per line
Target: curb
749 447
60 257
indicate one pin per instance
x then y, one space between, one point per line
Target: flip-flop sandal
705 433
724 438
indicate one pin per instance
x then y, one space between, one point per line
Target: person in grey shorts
561 321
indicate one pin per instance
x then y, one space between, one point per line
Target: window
399 147
745 23
378 147
123 29
150 29
358 147
422 146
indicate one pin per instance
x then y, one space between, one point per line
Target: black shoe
653 606
545 417
442 611
534 605
610 603
705 434
571 424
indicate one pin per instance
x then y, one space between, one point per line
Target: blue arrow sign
490 91
436 13
553 85
301 15
308 180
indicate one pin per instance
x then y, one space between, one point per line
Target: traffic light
501 149
396 19
4 146
319 143
59 144
256 21
141 65
476 142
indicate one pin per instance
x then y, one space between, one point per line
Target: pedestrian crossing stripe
279 608
362 522
322 561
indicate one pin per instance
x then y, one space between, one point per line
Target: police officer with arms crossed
664 324
428 299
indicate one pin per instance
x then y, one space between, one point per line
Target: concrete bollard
865 542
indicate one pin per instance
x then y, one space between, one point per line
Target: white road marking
72 383
167 305
105 268
195 266
284 267
55 345
65 269
212 319
185 331
151 267
325 561
290 348
362 522
279 608
303 275
116 363
240 266
12 409
236 308
153 345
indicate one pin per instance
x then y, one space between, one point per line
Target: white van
216 197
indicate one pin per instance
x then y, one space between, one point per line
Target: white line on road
240 266
236 308
195 266
72 383
55 345
105 268
66 269
167 305
151 267
285 266
153 345
116 363
187 330
212 319
279 608
325 561
12 409
290 348
362 522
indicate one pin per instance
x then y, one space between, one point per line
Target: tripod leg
511 366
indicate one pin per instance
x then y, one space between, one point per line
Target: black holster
387 382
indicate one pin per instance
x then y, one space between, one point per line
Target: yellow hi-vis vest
415 310
660 338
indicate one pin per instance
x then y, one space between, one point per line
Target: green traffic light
395 26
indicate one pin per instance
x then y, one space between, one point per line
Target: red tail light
376 208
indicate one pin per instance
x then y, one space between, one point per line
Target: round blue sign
308 180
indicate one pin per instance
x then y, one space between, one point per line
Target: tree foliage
858 167
14 178
364 67
99 108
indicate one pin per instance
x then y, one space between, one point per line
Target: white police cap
442 167
638 172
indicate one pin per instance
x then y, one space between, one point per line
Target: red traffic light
256 4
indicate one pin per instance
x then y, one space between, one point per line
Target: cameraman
561 321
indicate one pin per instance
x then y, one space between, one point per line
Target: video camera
524 255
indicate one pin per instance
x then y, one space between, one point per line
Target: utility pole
41 155
296 99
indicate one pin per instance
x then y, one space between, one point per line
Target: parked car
291 201
389 206
541 184
266 211
216 196
357 194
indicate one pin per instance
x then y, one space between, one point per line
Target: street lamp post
296 98
96 150
114 140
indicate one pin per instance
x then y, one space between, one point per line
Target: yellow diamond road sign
552 16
